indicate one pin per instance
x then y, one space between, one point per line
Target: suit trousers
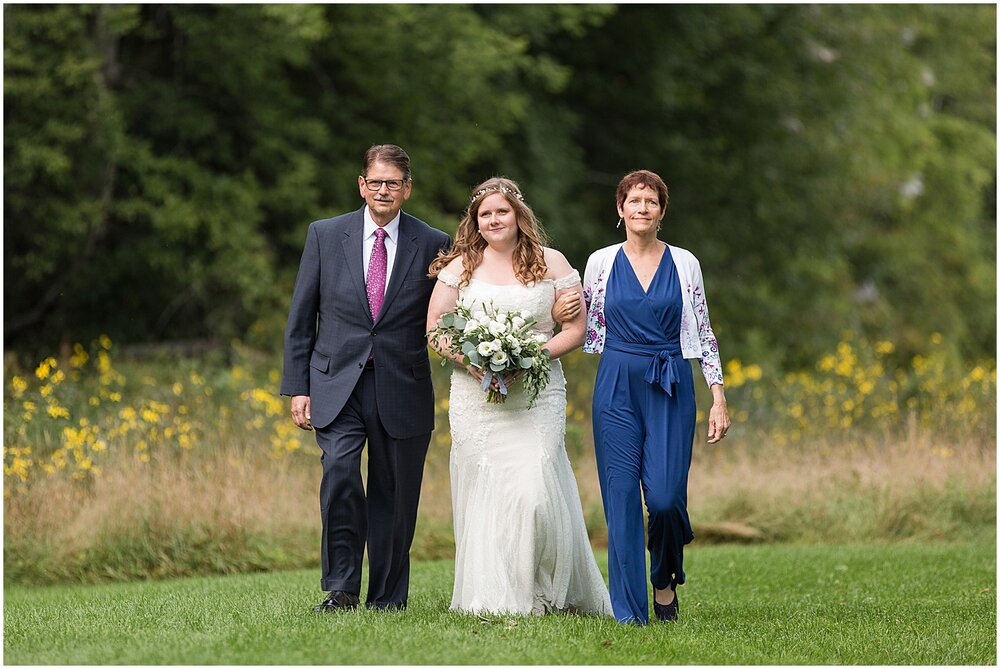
385 517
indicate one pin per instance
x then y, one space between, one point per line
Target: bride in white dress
521 544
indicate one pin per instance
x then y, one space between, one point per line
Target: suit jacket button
373 333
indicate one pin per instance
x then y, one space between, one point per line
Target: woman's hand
476 373
718 416
510 378
567 306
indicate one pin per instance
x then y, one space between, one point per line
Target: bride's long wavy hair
529 258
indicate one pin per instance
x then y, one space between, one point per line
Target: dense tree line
834 167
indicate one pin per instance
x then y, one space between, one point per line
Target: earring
619 223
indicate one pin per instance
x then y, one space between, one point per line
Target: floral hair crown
499 189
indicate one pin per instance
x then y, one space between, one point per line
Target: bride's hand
476 373
510 378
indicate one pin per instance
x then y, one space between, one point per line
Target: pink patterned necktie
376 273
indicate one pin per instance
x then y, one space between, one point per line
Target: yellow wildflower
79 357
827 363
44 367
885 347
57 411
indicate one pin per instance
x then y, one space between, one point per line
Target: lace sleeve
448 278
568 281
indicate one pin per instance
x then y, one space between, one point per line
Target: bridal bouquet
496 342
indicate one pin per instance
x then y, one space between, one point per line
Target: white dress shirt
391 235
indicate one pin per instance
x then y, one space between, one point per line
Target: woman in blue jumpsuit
644 415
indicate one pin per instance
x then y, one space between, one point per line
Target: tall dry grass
121 497
241 510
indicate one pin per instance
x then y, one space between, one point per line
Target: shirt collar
391 228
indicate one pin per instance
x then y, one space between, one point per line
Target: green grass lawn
774 604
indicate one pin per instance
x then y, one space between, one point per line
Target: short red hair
642 178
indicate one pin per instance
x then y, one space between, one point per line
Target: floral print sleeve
711 364
593 296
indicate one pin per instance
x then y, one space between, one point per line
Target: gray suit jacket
330 331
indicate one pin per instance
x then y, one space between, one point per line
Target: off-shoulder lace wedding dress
521 544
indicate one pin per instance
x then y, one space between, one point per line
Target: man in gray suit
357 370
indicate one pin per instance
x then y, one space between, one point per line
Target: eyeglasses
376 184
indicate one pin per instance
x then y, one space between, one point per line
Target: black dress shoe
666 612
337 600
392 606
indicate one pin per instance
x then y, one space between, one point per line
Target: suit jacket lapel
353 251
406 251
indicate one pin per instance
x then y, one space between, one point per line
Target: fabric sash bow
662 370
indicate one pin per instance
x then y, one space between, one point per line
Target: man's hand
301 412
567 306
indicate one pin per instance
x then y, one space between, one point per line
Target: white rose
471 325
485 348
497 328
497 345
518 322
479 315
499 358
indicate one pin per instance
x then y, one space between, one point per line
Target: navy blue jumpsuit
644 418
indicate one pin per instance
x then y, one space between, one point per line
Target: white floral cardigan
697 338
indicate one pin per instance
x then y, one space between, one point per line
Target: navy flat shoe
666 612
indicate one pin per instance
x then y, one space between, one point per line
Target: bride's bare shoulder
455 266
556 264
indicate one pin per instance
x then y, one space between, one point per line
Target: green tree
791 138
833 167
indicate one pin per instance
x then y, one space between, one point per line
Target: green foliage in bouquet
502 344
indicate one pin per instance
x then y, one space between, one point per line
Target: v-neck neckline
659 266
